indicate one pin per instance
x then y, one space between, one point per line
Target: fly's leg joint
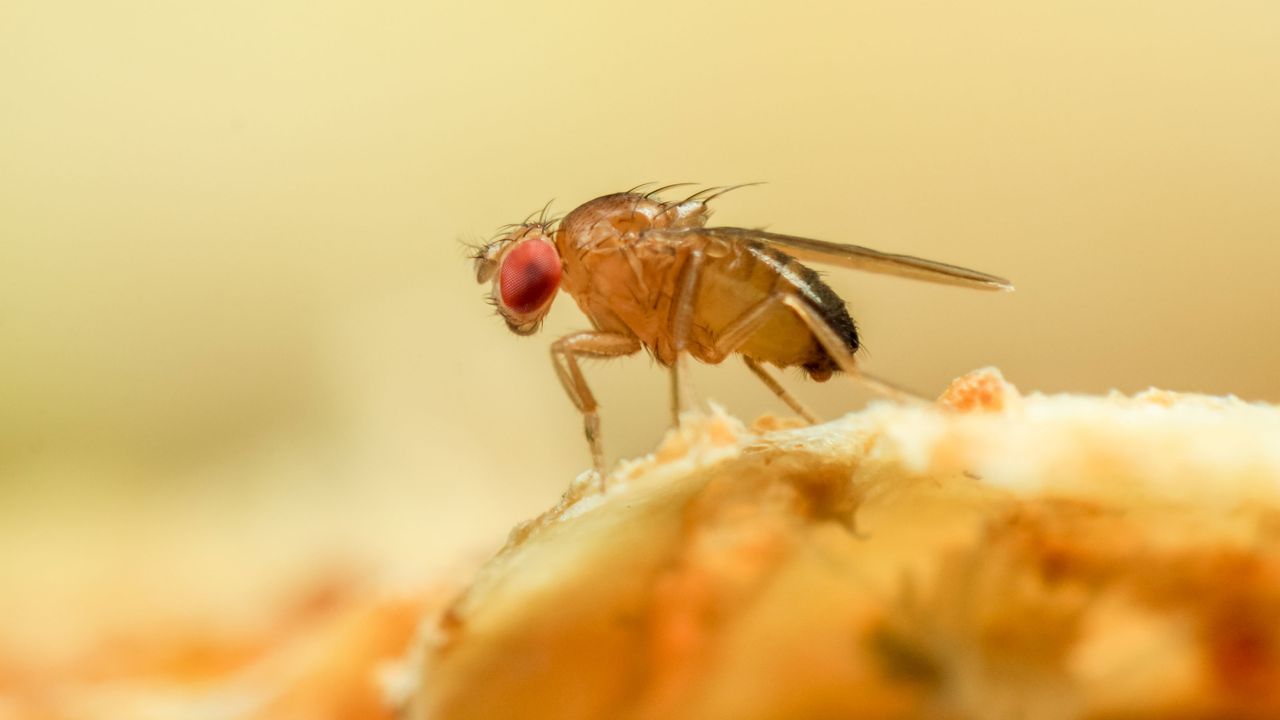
564 357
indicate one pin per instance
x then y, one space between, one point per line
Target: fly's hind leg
733 335
772 383
564 355
836 349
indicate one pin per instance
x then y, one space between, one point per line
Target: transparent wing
855 257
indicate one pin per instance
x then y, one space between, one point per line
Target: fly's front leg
836 349
564 356
681 326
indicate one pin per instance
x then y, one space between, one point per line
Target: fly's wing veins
854 257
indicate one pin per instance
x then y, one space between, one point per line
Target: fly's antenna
473 248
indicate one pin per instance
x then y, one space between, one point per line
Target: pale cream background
238 335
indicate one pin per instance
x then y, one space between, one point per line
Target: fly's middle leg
681 326
680 390
564 356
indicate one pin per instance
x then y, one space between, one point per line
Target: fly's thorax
626 215
620 279
626 285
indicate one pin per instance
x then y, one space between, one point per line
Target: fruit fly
649 274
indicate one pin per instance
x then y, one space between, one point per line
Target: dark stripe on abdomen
831 307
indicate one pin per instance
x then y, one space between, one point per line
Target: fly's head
525 270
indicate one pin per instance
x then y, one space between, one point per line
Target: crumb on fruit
983 390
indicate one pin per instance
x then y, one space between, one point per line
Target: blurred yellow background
239 338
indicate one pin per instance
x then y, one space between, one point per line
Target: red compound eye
530 276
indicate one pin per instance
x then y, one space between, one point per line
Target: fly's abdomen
733 284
